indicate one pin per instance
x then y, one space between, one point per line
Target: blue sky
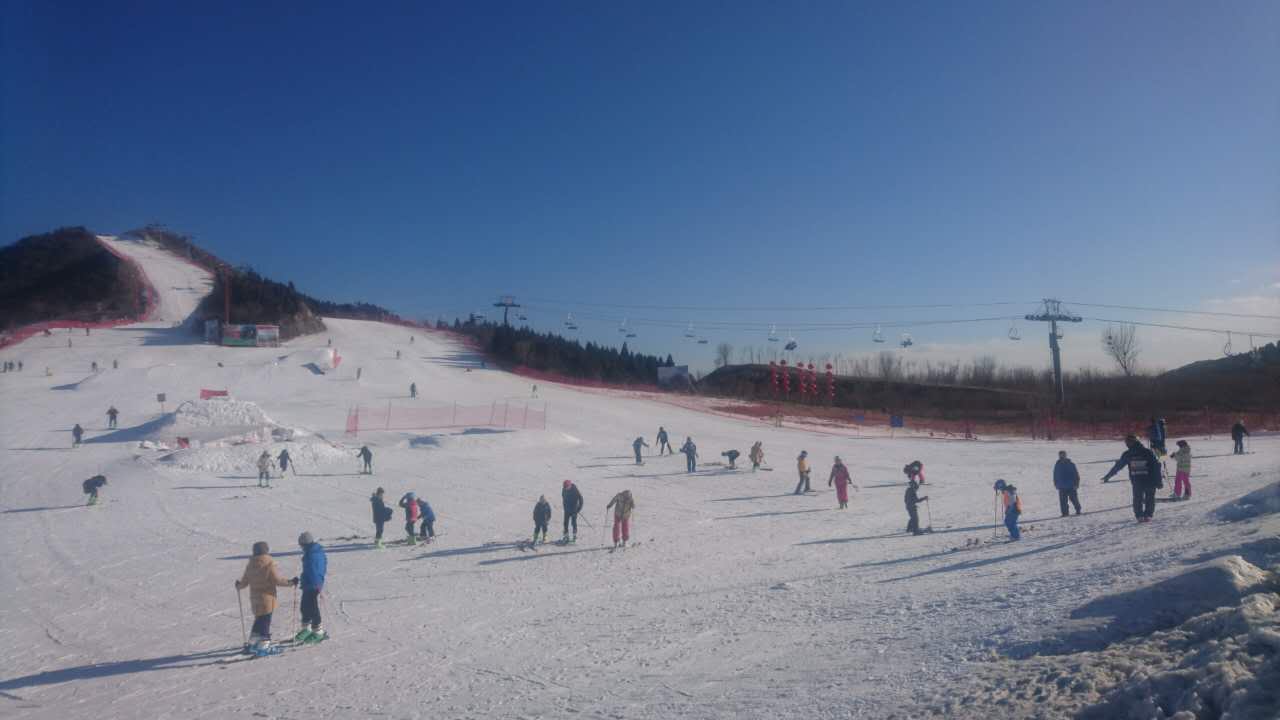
431 156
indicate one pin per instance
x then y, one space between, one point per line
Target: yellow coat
262 577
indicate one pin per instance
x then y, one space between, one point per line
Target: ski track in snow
740 600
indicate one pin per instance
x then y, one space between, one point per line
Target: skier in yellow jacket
262 577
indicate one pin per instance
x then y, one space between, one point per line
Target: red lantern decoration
831 384
786 379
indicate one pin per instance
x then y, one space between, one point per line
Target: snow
740 599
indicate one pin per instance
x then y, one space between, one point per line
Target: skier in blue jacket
428 530
1066 478
314 565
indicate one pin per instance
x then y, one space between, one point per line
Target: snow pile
1221 663
220 412
222 457
1265 501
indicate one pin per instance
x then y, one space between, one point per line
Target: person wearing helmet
912 500
262 577
409 502
1156 434
571 502
690 454
1012 509
1144 477
1182 480
541 518
314 565
914 470
623 504
636 445
427 531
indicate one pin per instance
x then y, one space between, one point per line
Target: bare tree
1121 345
888 365
983 371
724 354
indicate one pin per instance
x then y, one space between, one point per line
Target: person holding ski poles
1182 480
662 443
284 459
756 455
264 469
366 455
840 478
636 445
1144 477
541 518
622 505
690 454
262 577
802 467
1066 478
411 512
1012 508
381 514
427 532
314 565
911 500
571 501
1238 432
112 413
1156 433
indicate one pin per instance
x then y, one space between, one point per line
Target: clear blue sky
431 156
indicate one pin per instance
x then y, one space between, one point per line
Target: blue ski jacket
1065 475
424 509
314 565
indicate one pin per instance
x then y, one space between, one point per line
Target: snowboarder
112 412
733 458
914 470
636 445
314 564
1237 436
662 442
541 518
284 460
1156 433
409 502
802 468
381 514
1012 508
427 532
262 577
913 515
264 469
840 478
1066 478
690 454
571 502
413 391
756 455
1182 477
77 433
622 505
1144 477
366 455
91 487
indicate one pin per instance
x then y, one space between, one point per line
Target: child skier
914 470
622 505
571 503
77 433
1012 508
264 469
840 478
802 467
283 458
262 577
636 445
381 514
541 517
913 515
366 455
427 532
91 487
411 512
1182 480
314 565
756 455
733 458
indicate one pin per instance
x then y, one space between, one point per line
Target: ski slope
738 598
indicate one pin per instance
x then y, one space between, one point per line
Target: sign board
251 335
897 421
160 397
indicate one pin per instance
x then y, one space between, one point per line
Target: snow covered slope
738 599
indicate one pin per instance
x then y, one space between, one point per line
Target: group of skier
265 463
262 576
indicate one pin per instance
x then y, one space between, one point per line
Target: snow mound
220 412
243 457
1224 663
1265 501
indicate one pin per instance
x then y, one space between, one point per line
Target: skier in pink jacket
840 478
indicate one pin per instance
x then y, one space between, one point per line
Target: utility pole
1053 315
506 302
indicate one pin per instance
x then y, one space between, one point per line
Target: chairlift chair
877 336
703 341
906 341
688 332
773 333
1013 333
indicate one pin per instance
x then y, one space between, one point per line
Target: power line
776 308
1174 310
1253 333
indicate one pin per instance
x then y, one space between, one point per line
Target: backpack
387 513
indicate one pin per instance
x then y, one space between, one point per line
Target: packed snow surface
736 599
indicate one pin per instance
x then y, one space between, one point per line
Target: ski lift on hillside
877 336
1013 332
688 332
622 328
791 342
703 341
569 323
773 333
1226 348
906 341
631 334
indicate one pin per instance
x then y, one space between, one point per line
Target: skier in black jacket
1238 432
571 500
913 517
1144 477
381 514
541 518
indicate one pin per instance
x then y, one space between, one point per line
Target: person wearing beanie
571 501
912 499
1182 478
410 505
262 577
427 532
314 565
541 518
381 514
1144 477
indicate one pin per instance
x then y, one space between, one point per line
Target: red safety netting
501 414
206 394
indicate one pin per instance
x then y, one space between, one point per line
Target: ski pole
929 509
295 624
244 635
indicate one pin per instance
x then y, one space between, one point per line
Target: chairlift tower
506 302
1052 313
